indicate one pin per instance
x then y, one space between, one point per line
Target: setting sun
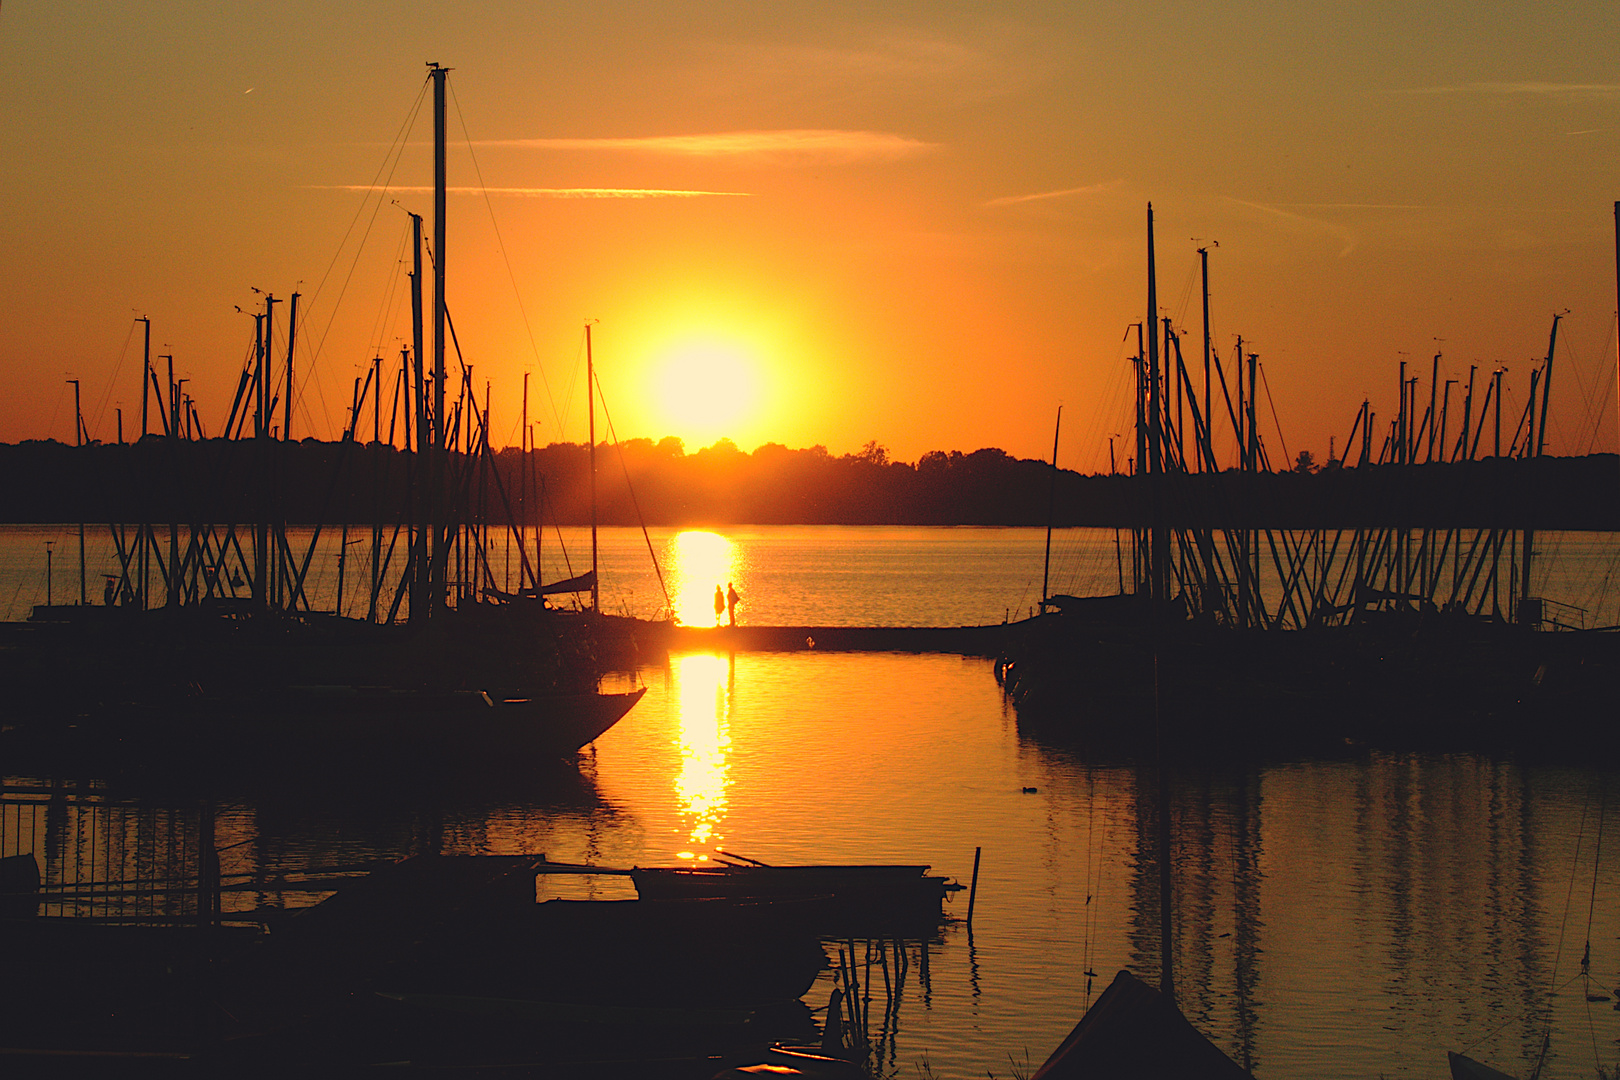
706 389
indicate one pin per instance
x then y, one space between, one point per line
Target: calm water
1334 918
792 576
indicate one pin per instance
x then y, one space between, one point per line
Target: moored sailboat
236 656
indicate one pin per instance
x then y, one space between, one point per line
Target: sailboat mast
146 377
1160 587
420 476
590 408
78 441
436 462
1528 614
523 492
286 406
1051 507
1209 438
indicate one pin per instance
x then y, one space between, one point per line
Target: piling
973 888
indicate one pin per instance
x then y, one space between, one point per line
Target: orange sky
920 225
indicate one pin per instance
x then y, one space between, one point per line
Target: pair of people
726 602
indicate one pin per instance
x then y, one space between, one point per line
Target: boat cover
1466 1068
1133 1031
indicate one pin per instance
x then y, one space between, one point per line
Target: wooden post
973 889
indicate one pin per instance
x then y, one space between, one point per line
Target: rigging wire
664 588
1275 420
500 245
393 296
1089 922
123 354
390 164
1591 907
1558 953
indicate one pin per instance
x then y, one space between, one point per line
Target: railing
102 858
1546 614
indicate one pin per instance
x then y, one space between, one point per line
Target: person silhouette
719 604
731 602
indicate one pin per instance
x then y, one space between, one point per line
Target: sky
916 224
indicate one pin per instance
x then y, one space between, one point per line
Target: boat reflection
702 690
699 563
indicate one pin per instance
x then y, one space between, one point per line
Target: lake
1349 916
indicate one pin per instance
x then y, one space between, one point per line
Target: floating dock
964 640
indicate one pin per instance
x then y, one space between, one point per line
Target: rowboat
871 896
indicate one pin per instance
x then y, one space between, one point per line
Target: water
787 575
1347 917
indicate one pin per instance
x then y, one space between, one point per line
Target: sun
705 389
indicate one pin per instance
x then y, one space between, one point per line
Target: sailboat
212 670
1290 636
1133 1030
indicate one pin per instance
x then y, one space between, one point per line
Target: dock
962 640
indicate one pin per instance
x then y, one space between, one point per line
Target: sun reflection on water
703 687
699 563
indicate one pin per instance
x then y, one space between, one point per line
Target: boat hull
332 726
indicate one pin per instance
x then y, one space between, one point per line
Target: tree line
659 483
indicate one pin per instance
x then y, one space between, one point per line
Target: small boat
331 725
871 896
1134 1030
1464 1067
469 927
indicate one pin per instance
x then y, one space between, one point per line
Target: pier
964 640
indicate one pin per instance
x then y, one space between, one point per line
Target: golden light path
702 685
699 563
703 688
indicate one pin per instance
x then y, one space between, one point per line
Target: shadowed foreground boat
329 725
854 899
434 962
1134 1031
1464 1067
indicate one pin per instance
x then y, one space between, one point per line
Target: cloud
803 143
1003 58
1089 189
543 193
1540 89
1343 233
1352 206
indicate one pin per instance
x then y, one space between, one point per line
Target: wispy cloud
1283 215
797 143
545 193
1351 206
1089 189
994 59
1538 89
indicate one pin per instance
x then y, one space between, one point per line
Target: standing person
731 602
719 604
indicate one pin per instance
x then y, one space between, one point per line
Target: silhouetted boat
871 896
1466 1068
1132 1030
371 723
237 659
1224 632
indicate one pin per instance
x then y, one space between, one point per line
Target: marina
1349 914
289 799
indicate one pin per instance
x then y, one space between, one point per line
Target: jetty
962 640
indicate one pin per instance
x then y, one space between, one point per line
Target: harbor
1316 889
390 753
